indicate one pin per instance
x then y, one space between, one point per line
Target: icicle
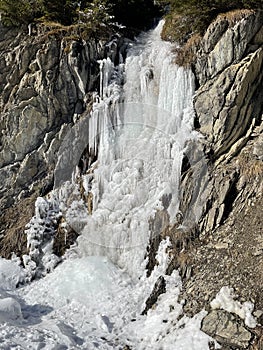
140 148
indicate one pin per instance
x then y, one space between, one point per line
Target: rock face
228 105
45 80
225 328
229 71
227 41
222 190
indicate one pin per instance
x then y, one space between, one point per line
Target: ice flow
138 127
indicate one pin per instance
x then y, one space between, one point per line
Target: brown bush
186 54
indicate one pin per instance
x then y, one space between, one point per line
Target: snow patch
11 274
40 233
225 300
10 309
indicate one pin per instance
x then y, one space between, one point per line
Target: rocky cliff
46 80
47 73
228 102
226 201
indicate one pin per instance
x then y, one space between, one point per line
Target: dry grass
250 167
186 54
45 26
257 343
68 33
181 250
14 240
181 237
176 29
53 25
234 16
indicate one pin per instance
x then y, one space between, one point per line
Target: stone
158 289
226 329
225 43
258 313
221 245
157 226
258 148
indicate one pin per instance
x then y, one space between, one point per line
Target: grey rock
156 226
258 148
229 106
158 289
226 329
224 44
44 81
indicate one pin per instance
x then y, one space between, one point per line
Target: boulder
226 329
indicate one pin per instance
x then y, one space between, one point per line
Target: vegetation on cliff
189 17
131 13
183 18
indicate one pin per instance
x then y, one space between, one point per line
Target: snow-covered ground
89 303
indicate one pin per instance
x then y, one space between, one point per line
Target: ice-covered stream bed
94 299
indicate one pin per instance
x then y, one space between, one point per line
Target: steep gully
136 133
210 208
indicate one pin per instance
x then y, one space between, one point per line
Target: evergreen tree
96 13
131 13
62 11
16 13
194 16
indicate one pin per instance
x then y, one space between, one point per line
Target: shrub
192 16
131 13
186 54
62 11
96 14
14 13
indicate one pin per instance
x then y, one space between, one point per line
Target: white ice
89 303
140 148
225 299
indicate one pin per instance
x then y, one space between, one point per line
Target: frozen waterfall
139 124
96 298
